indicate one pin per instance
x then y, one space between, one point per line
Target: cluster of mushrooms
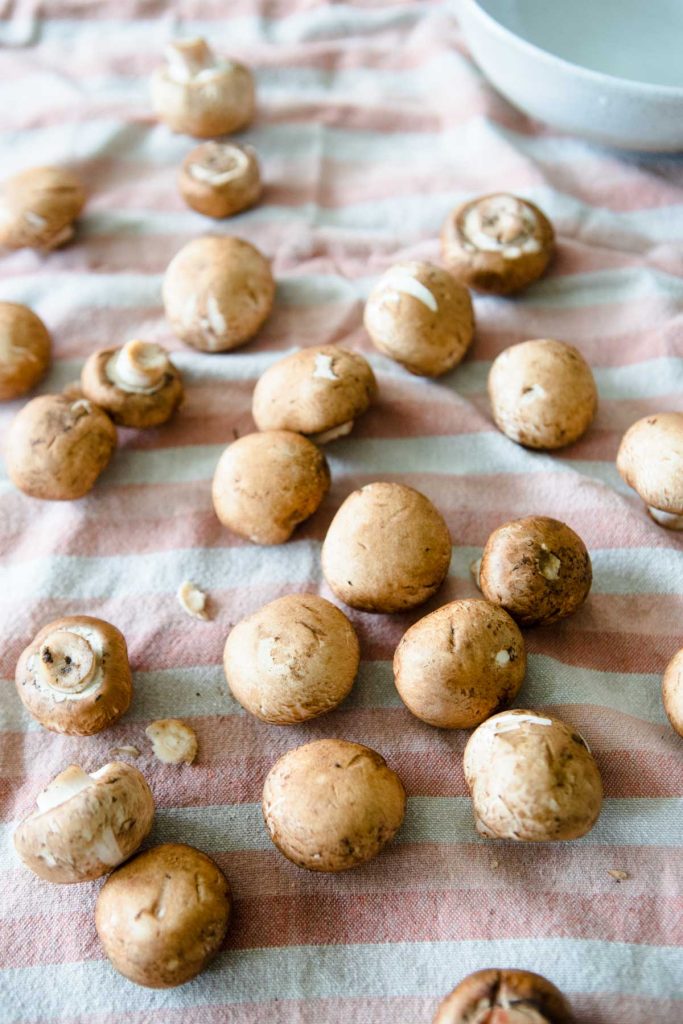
328 805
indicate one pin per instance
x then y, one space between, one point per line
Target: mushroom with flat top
495 996
650 459
137 385
86 824
38 208
24 350
220 179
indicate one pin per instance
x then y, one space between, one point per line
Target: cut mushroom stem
67 661
139 365
187 57
668 520
220 163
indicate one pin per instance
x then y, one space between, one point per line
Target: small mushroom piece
292 660
650 459
497 243
173 741
85 825
672 691
387 549
193 600
197 93
57 446
24 350
74 677
162 917
537 569
460 664
332 805
136 385
217 292
504 997
531 778
220 179
542 393
317 391
38 208
419 315
266 484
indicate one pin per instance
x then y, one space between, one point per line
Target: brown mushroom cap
460 664
74 676
38 207
57 446
200 94
137 385
24 350
266 484
672 691
163 916
217 292
86 825
532 778
387 549
220 179
314 391
537 569
292 660
331 805
419 315
504 997
542 393
650 459
497 243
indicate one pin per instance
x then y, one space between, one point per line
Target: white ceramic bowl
610 70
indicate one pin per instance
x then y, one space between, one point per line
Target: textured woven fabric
372 124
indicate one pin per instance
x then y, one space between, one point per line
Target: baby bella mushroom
200 94
292 660
162 917
38 208
497 243
650 459
331 805
137 385
318 392
542 393
419 315
531 778
85 825
537 569
220 179
387 549
24 350
460 664
74 677
57 446
266 484
495 996
217 292
672 691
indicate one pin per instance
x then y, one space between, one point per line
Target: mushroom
220 179
173 741
419 315
162 917
460 664
672 691
57 446
531 778
387 549
495 996
86 824
24 350
292 660
331 805
137 385
197 93
317 391
217 292
266 484
38 208
537 569
497 243
542 393
193 601
74 676
650 459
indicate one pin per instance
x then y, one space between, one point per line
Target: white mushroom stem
222 163
500 224
186 58
192 600
400 279
333 433
324 367
669 520
508 723
66 661
138 366
65 785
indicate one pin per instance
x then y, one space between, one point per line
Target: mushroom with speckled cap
495 996
650 459
24 350
137 384
38 208
220 179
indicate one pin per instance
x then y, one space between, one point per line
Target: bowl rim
548 57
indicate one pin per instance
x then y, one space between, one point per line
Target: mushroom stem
669 520
139 364
67 662
187 57
65 785
220 163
